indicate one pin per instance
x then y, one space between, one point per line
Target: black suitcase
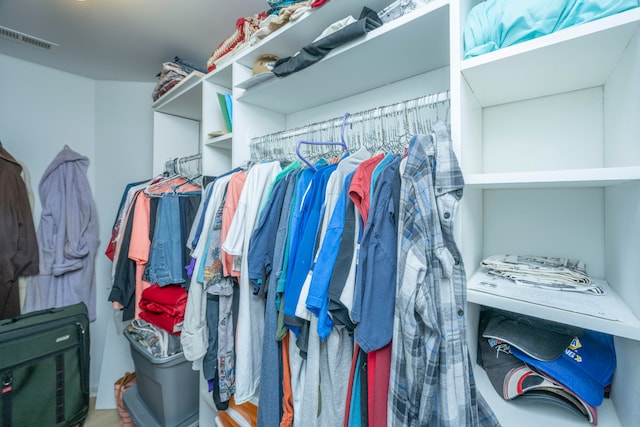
44 368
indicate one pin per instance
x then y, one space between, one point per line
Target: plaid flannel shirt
431 381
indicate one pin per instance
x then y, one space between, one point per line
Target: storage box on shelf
551 162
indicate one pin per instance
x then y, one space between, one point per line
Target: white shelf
222 141
628 327
374 60
538 414
598 177
221 76
288 39
184 99
574 58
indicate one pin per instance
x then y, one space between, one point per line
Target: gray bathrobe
67 237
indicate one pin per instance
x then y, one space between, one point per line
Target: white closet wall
544 130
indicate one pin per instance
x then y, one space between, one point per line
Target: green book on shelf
226 113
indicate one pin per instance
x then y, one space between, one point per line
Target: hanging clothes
326 257
133 246
22 280
193 337
261 253
329 356
67 236
19 254
251 310
431 379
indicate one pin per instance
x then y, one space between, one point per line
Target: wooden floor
102 417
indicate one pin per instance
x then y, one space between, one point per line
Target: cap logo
571 350
575 343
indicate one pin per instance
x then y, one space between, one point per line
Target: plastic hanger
342 143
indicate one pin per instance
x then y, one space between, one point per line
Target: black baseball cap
540 339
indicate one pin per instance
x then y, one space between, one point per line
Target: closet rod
274 142
373 113
175 165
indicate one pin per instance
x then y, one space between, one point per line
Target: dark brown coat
18 244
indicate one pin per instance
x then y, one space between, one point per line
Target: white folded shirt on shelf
561 274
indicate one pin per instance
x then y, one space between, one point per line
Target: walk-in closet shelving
222 141
545 132
289 39
286 41
551 160
378 58
184 99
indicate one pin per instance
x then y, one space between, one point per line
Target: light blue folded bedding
495 24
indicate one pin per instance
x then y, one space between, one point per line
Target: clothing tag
177 327
237 263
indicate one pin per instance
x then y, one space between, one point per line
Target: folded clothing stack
171 75
562 274
531 359
335 35
164 307
494 24
245 28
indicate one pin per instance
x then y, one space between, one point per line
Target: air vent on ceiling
26 38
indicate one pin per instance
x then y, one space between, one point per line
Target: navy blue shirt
262 239
375 290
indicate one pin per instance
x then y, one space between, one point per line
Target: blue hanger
342 143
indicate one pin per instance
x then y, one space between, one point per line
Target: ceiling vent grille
26 38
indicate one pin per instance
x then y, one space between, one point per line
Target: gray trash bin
167 387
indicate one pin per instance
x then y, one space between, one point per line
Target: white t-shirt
251 309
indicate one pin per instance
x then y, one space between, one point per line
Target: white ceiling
123 40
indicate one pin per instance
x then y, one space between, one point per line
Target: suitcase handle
84 380
47 311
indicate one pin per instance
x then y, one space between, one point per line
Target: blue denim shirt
318 298
374 295
309 223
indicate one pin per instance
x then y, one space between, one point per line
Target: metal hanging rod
273 145
179 165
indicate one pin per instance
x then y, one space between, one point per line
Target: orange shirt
140 244
234 188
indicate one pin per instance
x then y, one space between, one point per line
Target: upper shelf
574 58
184 99
597 177
376 59
288 39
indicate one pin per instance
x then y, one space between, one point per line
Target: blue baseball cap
586 367
539 338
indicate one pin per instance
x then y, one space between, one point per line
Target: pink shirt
234 188
140 244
